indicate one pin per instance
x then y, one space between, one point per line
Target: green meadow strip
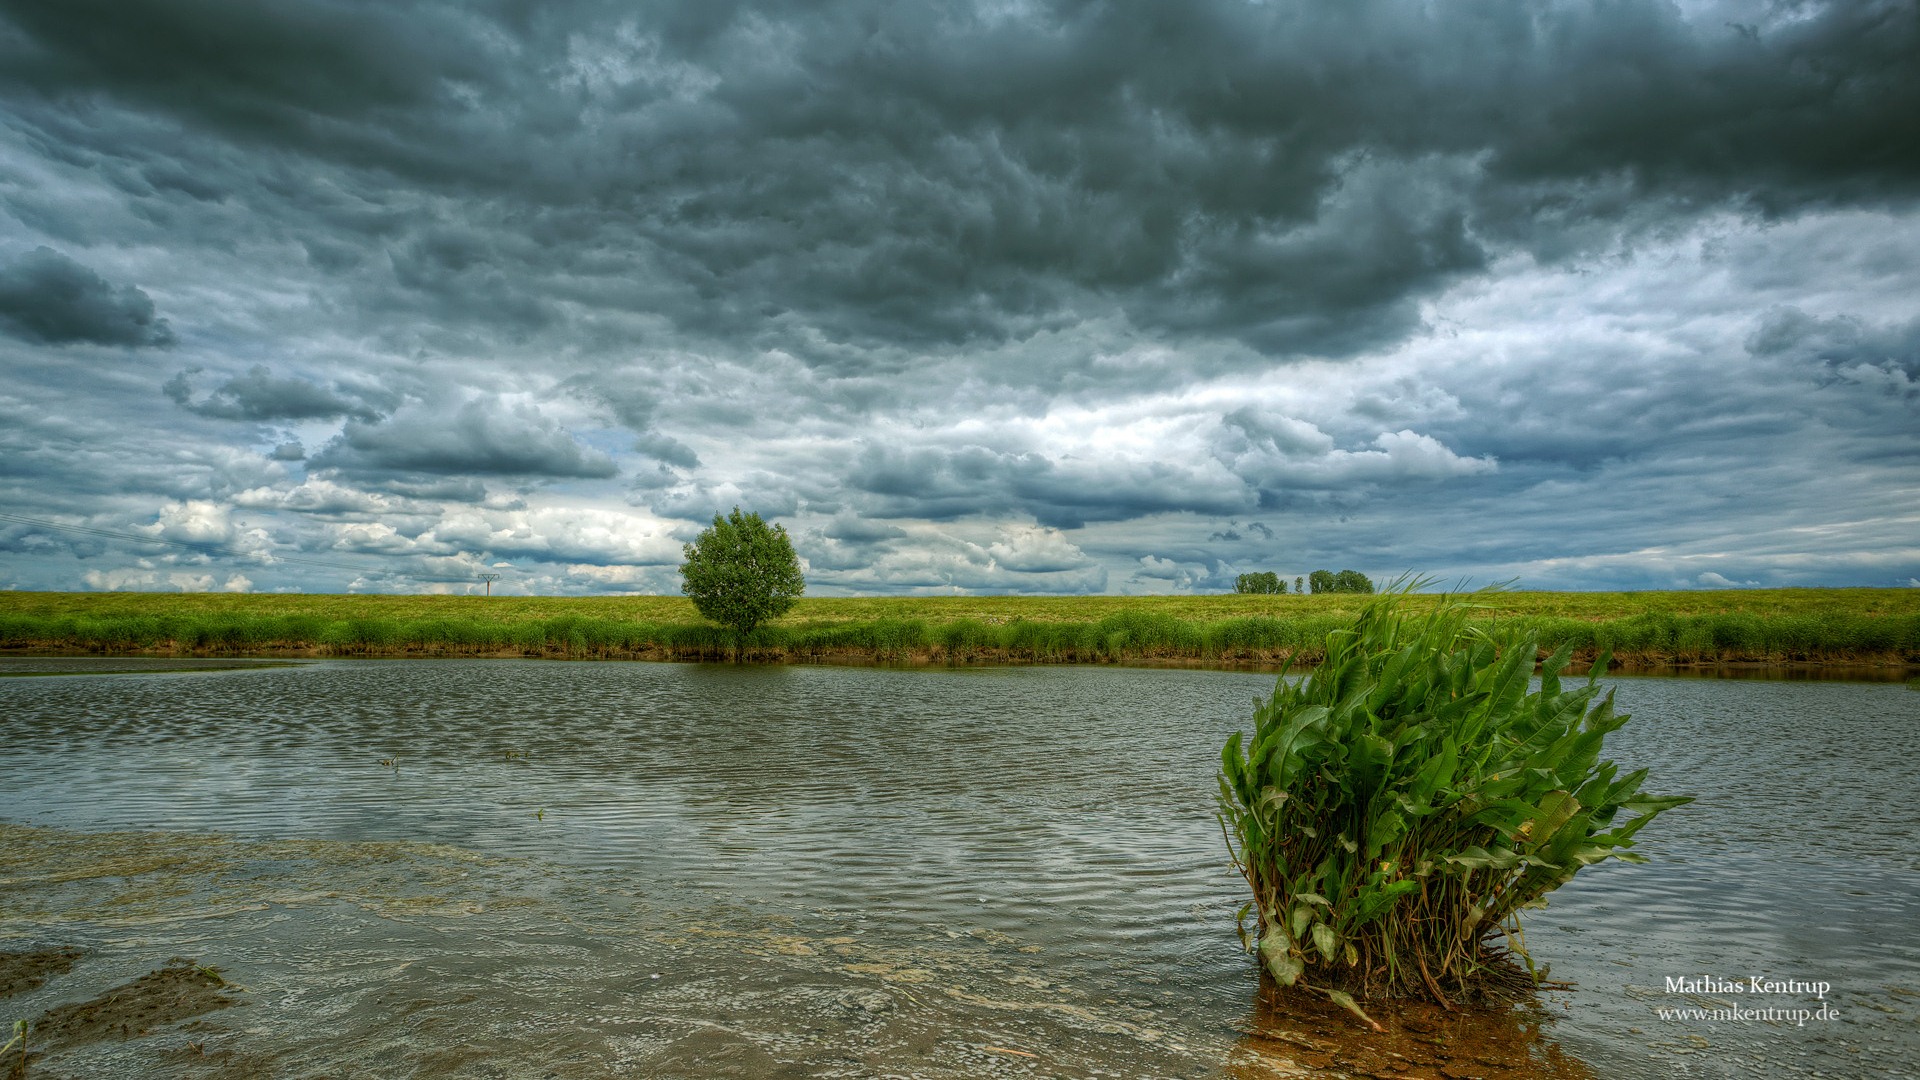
1647 638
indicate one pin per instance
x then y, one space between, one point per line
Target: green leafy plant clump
1397 809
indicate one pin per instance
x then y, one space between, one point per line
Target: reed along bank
1645 630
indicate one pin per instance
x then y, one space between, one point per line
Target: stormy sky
1006 296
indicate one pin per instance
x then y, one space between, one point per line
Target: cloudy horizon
990 297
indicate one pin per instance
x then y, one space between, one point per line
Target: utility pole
489 579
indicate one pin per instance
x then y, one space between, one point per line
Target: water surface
527 867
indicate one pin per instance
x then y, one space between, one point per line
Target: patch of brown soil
24 971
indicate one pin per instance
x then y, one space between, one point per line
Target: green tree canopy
741 572
1266 582
1346 581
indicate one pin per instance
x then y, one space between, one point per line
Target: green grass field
1877 626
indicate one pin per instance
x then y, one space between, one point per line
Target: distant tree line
1265 583
1268 583
1350 581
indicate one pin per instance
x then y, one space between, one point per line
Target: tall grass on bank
1397 809
1640 631
1128 635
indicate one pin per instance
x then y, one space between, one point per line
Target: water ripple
1064 810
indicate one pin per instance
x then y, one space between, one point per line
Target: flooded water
507 868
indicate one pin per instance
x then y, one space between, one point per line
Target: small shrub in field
1395 811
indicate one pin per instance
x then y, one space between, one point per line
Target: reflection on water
476 868
1788 672
36 666
1292 1033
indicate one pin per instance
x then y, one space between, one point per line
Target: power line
223 549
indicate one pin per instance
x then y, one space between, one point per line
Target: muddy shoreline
177 991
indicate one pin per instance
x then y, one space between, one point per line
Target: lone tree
1265 583
741 573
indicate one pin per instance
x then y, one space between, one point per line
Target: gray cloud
277 70
47 297
940 484
862 530
1043 296
634 405
770 495
1883 355
482 436
260 395
875 174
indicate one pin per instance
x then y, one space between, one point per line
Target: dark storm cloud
1850 346
937 281
260 395
1296 176
47 297
1805 103
862 531
273 70
482 436
939 483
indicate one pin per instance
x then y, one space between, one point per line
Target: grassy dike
1643 629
